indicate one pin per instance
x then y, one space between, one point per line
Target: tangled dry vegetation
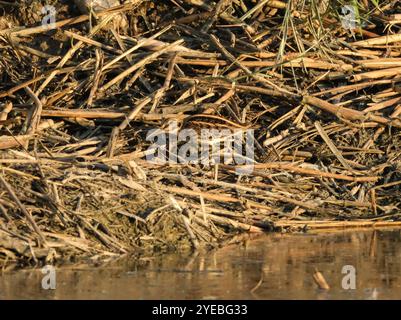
77 100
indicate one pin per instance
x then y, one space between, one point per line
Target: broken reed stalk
388 39
292 168
136 66
27 31
320 280
332 225
346 113
28 216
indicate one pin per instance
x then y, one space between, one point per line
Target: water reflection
274 266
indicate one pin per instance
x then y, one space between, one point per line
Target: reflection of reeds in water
275 267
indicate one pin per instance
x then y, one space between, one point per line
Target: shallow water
273 266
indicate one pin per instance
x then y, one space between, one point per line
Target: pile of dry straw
79 94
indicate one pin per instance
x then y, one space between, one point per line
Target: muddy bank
80 96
